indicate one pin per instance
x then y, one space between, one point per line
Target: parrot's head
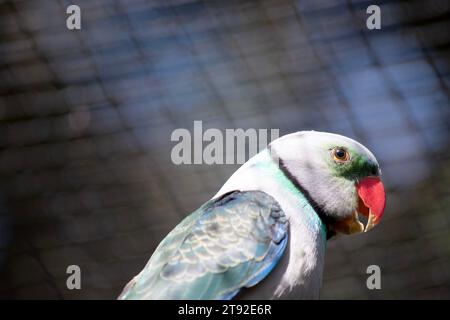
339 176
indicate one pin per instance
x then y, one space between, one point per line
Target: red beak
372 200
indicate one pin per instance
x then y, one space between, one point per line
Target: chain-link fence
86 117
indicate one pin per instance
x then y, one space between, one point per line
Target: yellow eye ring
341 155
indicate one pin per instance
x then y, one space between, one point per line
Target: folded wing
229 243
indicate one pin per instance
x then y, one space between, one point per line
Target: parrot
264 234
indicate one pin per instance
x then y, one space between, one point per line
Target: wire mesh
86 117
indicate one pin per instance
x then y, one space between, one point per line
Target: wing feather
229 243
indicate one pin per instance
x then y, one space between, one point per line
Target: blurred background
86 117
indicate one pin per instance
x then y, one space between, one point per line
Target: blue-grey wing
229 243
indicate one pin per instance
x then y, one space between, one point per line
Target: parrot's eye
341 155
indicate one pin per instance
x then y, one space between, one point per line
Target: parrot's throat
326 219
